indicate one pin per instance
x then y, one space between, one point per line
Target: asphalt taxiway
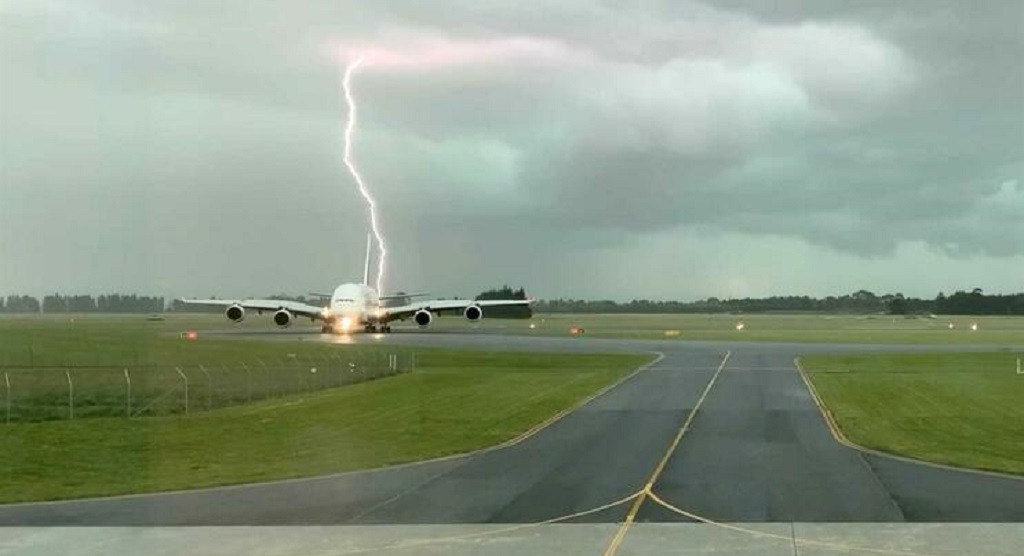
713 431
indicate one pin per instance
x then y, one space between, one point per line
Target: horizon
878 295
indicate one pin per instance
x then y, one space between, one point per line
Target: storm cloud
725 148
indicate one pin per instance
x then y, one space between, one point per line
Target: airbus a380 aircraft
357 307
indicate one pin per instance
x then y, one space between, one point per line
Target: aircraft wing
294 307
401 295
448 305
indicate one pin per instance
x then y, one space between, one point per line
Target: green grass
38 356
25 339
863 329
454 401
131 340
963 409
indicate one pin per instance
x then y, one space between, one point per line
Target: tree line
975 302
513 312
107 303
961 302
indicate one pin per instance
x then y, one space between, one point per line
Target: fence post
7 383
227 374
128 394
71 395
185 378
209 387
248 383
284 368
267 386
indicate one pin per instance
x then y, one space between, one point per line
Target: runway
755 450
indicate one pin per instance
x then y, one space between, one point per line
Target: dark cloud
196 148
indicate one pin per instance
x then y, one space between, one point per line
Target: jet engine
235 313
473 313
423 317
283 318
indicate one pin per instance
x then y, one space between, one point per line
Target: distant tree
54 304
80 304
178 306
21 304
897 304
506 292
960 302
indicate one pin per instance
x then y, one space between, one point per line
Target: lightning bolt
371 204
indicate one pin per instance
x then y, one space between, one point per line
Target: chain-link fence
51 393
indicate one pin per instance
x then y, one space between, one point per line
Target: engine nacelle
235 313
283 318
473 313
423 317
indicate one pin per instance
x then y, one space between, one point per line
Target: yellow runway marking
841 438
412 543
829 420
635 508
788 539
532 431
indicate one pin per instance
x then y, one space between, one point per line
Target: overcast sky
664 150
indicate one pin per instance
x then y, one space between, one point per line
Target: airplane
357 306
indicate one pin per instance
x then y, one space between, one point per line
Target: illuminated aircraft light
532 326
974 326
951 326
740 326
326 312
351 165
346 324
192 335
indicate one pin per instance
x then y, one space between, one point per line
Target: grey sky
584 149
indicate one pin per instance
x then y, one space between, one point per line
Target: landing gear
325 329
373 328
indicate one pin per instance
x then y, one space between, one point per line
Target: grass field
87 366
963 409
132 340
452 402
872 329
25 339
